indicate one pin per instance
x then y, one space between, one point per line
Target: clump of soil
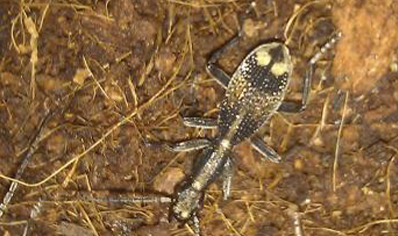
367 50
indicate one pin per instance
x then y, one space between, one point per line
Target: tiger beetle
253 94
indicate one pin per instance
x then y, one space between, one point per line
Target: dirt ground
108 77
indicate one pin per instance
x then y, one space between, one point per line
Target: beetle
254 93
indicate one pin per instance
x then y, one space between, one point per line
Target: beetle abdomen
255 91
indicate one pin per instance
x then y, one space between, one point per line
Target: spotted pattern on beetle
255 91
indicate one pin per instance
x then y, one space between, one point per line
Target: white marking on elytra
263 57
280 68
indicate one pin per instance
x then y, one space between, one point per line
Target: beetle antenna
135 199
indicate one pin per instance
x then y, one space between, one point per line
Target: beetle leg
295 107
216 72
190 145
200 122
226 176
87 196
195 224
290 106
257 143
265 150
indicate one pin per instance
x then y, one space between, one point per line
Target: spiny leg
265 150
226 177
187 146
256 142
195 144
200 122
289 106
190 145
216 72
219 75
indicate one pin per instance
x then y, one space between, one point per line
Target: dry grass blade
293 19
228 222
388 181
89 222
14 223
332 231
95 80
196 4
34 35
337 150
365 227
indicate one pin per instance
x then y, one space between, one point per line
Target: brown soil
115 74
